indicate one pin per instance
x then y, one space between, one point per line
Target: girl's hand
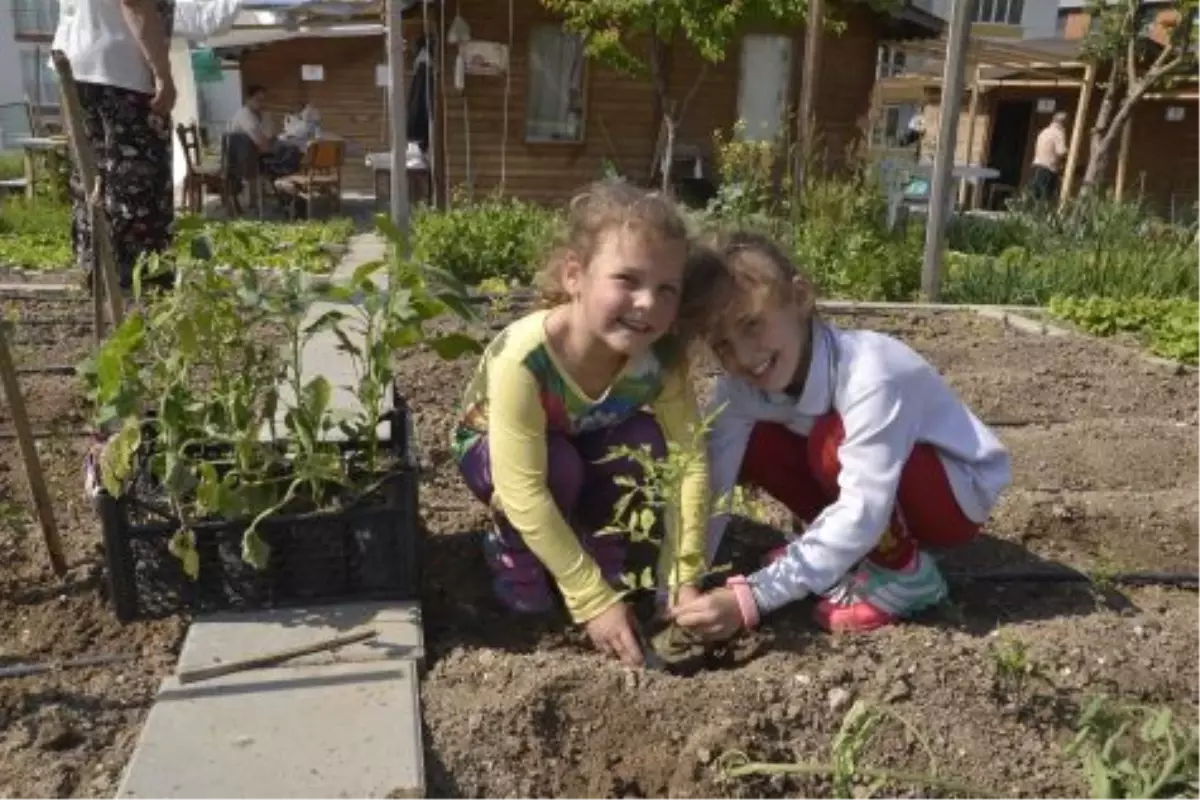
686 595
612 633
715 615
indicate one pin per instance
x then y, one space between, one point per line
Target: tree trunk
1100 140
668 152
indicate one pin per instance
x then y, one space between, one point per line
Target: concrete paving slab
340 730
230 636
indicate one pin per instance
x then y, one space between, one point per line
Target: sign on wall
312 72
1046 105
383 75
1176 113
485 58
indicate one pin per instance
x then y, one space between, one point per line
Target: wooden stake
1123 159
813 30
108 288
273 658
943 162
401 210
972 114
1081 115
33 465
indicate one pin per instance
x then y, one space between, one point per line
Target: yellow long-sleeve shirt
520 393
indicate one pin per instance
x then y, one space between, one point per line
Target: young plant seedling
1014 668
210 356
650 503
845 767
1131 750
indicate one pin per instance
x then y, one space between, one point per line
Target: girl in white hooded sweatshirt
853 431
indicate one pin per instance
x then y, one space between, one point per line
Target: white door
764 86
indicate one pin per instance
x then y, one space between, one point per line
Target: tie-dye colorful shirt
520 393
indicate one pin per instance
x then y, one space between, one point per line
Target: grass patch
36 235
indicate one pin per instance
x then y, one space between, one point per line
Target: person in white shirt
119 56
1048 153
276 156
252 119
853 431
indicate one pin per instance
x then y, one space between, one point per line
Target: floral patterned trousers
134 159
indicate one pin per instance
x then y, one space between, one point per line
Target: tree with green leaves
1135 64
636 36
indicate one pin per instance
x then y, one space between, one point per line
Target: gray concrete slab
338 730
229 636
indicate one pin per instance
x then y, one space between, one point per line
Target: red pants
802 474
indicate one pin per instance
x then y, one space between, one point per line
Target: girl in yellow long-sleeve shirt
558 388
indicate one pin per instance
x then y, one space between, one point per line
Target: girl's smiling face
628 293
761 340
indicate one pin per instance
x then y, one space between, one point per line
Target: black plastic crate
366 550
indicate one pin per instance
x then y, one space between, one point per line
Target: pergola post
397 119
972 115
1081 116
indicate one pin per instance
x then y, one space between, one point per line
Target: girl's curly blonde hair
601 207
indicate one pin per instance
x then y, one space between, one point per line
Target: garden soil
1105 455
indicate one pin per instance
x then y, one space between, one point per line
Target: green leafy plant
641 514
857 731
1168 327
1133 750
1015 669
35 234
497 237
205 390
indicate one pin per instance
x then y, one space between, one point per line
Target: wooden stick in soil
273 658
33 465
108 287
25 670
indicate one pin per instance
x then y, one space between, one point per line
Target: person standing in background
119 54
1048 153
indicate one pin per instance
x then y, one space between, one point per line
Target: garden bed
513 706
1105 452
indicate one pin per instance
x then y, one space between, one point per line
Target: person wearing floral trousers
119 54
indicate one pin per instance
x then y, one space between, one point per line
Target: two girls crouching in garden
851 430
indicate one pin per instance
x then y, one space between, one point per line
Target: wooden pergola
1039 63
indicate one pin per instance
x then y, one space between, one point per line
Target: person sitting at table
276 157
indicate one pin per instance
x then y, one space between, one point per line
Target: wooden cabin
554 119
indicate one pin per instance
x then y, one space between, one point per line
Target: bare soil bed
1105 455
1105 452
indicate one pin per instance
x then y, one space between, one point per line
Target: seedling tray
365 549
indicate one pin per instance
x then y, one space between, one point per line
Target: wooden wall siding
619 117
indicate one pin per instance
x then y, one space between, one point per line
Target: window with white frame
889 62
1002 12
38 78
554 104
35 17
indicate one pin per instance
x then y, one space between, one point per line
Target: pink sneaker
872 596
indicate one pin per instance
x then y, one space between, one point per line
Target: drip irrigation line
50 369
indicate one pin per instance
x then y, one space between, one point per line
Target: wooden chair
200 177
320 175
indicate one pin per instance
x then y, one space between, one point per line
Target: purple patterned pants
585 493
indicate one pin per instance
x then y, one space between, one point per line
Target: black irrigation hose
51 369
